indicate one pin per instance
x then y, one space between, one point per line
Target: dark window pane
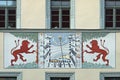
109 24
117 18
65 25
109 12
11 11
8 78
112 78
2 11
60 0
109 0
109 18
55 18
108 78
59 78
55 25
117 24
2 18
11 18
2 24
11 24
55 12
118 11
117 78
65 18
65 12
112 0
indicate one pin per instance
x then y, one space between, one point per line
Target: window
9 13
112 14
60 14
59 76
110 76
10 76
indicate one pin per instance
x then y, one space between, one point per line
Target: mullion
114 18
60 18
6 17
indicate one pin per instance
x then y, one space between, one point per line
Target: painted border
59 30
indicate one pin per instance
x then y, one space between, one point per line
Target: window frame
72 15
18 15
109 74
103 15
18 75
48 75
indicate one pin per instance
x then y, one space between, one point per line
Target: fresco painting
99 50
59 50
20 50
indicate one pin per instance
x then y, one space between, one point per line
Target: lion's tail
102 44
15 46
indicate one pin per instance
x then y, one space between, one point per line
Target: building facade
59 39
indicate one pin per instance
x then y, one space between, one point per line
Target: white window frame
18 75
109 74
48 75
72 14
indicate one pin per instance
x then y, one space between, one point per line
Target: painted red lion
23 49
96 49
